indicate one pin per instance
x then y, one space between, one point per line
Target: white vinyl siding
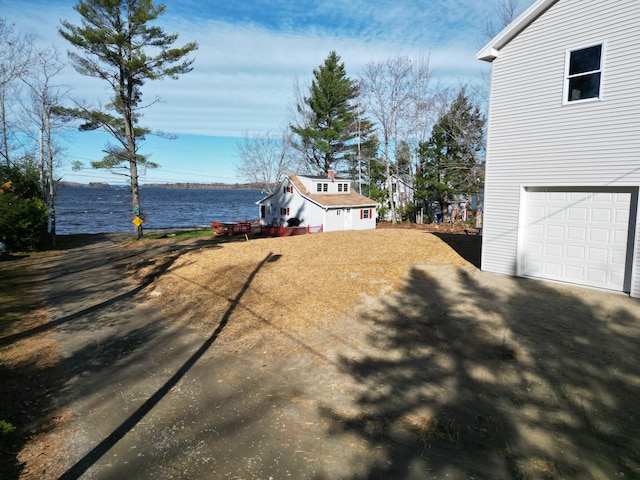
536 139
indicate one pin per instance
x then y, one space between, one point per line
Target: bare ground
380 354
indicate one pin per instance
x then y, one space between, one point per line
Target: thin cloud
251 53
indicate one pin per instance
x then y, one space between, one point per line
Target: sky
251 54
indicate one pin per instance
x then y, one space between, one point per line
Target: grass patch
180 234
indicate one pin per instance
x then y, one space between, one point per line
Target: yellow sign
137 221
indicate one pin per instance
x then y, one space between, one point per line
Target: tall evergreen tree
452 160
121 47
329 127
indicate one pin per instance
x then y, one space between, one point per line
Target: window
284 211
364 213
339 187
583 74
288 189
318 187
325 187
346 187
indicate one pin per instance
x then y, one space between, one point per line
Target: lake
102 209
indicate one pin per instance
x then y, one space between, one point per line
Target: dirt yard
424 362
356 355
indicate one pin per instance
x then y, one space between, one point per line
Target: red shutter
361 214
371 213
287 210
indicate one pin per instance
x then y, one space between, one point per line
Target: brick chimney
331 174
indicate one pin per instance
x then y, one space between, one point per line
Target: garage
579 237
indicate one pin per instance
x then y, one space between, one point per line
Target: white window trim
565 88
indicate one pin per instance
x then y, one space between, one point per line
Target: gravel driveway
458 374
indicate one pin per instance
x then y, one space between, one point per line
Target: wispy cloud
252 52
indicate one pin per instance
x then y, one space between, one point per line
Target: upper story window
583 76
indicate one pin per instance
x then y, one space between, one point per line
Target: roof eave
491 50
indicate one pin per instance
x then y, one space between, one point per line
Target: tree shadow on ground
89 459
106 276
468 247
472 375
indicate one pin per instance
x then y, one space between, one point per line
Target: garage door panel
578 214
552 269
598 254
554 249
577 237
599 234
575 253
596 275
620 237
618 257
577 233
574 273
554 231
601 215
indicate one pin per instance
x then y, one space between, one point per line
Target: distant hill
204 186
174 186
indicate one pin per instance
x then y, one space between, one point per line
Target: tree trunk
135 199
392 203
50 182
5 133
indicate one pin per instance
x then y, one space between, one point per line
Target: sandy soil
378 354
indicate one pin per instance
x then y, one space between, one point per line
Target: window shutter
371 213
287 210
361 214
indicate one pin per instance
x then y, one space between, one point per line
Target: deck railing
254 228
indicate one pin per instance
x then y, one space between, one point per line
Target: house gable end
492 49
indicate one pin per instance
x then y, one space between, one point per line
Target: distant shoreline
171 186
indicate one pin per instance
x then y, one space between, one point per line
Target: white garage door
577 237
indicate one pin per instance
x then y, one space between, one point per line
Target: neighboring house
403 193
328 201
563 145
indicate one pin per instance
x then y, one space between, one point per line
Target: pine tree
329 129
121 47
452 160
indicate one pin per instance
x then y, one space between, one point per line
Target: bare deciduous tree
503 14
15 57
265 159
394 92
45 97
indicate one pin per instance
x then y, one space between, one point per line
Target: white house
563 145
328 201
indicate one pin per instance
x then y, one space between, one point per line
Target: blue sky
251 54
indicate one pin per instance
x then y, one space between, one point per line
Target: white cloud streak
244 72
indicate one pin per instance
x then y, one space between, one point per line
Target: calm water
99 210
